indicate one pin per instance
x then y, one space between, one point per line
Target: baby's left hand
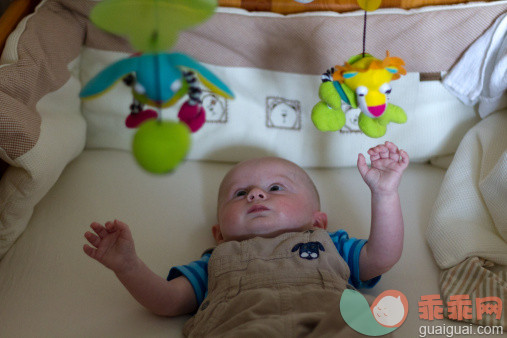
387 166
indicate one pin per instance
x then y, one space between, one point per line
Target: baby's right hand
114 246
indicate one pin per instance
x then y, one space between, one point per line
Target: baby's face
266 197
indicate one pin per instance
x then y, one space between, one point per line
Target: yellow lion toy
362 82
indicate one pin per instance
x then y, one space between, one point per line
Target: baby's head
266 197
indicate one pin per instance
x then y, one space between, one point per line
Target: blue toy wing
108 76
209 79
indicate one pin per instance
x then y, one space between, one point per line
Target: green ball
159 146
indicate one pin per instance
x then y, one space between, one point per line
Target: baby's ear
320 220
217 234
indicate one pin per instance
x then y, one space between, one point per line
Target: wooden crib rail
12 16
292 6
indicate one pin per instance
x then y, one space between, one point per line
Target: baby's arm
114 248
385 242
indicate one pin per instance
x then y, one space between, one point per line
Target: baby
275 270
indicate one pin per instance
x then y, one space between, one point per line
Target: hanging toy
157 78
362 82
160 80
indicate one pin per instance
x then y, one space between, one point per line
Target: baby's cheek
227 220
298 212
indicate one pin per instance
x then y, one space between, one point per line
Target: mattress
52 288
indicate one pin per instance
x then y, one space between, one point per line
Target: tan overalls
287 286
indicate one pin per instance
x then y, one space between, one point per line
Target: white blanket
469 218
481 74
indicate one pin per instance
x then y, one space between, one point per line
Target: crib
66 163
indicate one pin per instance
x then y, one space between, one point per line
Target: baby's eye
240 193
275 187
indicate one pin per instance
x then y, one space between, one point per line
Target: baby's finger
93 239
375 150
393 151
124 229
383 151
404 159
391 146
374 153
120 225
99 229
89 251
111 227
361 165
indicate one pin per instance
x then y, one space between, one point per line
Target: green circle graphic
356 312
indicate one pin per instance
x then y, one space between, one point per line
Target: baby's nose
256 193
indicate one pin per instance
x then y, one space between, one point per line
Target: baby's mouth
257 208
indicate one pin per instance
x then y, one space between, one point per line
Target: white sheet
50 288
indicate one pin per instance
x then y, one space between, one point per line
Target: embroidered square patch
215 107
283 113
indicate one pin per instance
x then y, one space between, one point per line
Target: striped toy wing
209 79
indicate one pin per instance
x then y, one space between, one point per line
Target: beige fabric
47 43
62 138
469 218
265 287
429 39
473 278
41 127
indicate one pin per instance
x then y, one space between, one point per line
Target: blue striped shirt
349 249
